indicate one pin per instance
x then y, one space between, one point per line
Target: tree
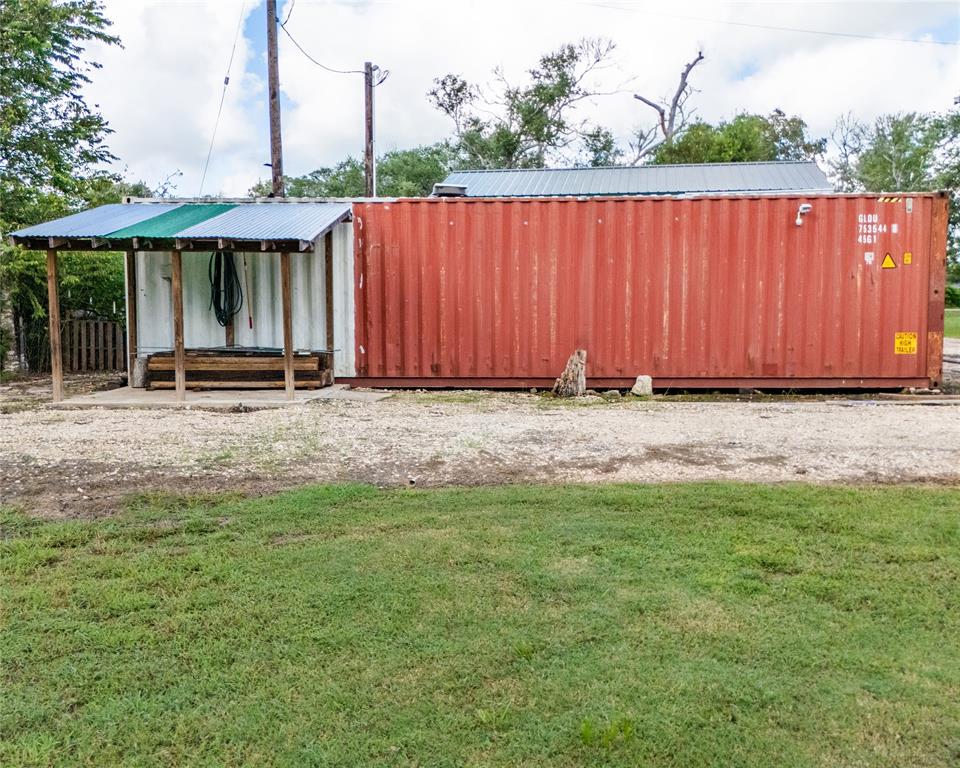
528 125
599 149
673 115
903 152
51 140
746 138
400 173
91 283
51 145
848 137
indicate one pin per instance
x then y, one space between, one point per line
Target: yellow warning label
905 343
888 262
889 199
908 258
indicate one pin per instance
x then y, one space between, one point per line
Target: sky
160 91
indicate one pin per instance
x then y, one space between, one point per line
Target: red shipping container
711 292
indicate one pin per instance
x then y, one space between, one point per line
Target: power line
223 95
322 66
778 29
384 74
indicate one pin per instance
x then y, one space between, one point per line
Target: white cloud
160 93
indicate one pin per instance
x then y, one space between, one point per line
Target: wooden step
224 363
315 384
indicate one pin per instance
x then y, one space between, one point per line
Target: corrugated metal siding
97 222
344 307
155 314
686 290
271 221
644 180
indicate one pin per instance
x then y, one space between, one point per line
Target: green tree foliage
529 125
599 149
51 151
400 173
904 152
745 138
51 140
91 283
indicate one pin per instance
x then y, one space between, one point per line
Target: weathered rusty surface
716 291
937 288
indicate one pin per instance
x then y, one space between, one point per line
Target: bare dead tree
673 115
848 137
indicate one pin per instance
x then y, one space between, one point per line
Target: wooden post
369 159
328 285
180 376
131 314
288 380
53 313
273 98
573 380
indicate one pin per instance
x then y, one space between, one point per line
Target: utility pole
369 160
273 86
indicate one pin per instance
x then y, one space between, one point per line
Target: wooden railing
94 345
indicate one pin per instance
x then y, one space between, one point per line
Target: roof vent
449 190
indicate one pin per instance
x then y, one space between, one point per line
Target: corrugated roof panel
800 176
272 221
171 223
97 222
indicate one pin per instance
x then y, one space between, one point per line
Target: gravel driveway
76 463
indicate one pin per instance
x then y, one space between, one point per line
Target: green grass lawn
690 625
952 323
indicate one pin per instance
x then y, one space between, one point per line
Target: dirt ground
67 463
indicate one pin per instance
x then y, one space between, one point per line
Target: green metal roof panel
171 223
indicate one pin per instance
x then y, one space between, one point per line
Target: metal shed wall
696 292
155 311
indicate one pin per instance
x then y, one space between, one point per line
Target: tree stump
573 380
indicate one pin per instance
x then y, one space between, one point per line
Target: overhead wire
223 96
384 74
831 33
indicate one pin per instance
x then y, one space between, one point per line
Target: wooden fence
94 345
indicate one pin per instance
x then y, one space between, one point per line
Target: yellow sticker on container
908 258
888 262
905 343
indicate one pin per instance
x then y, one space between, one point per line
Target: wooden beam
131 314
288 375
180 376
53 313
328 286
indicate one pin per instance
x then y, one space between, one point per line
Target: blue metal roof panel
800 176
271 221
97 222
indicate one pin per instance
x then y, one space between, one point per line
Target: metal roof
800 176
96 222
172 222
139 224
271 221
